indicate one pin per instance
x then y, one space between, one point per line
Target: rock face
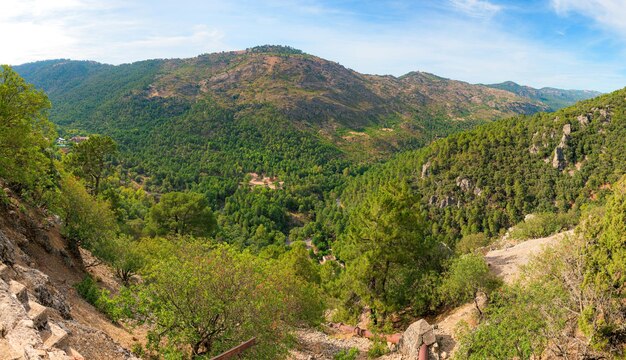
43 291
420 332
25 325
558 161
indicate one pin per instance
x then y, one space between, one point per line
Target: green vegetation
202 299
181 214
25 135
467 277
542 225
350 354
573 288
89 159
223 258
100 298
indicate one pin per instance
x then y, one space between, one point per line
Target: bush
468 275
349 354
99 298
544 224
471 242
378 349
202 299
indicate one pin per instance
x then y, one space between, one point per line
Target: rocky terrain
506 262
41 315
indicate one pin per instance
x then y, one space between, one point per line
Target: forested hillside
178 122
404 218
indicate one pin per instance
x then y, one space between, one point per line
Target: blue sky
562 43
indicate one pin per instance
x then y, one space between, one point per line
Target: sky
572 44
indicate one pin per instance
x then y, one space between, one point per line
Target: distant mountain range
152 107
554 98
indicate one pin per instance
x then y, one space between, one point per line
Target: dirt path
314 344
507 262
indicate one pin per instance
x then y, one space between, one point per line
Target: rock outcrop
27 332
558 161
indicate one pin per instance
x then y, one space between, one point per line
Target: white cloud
609 14
476 8
88 29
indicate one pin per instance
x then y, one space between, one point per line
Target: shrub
349 354
99 298
544 224
471 242
468 275
378 349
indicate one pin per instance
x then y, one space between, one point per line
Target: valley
267 192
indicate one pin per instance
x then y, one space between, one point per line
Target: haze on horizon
572 44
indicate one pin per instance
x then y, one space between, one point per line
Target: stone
418 333
429 337
447 201
464 183
567 129
50 297
583 120
73 354
558 161
55 337
425 169
19 290
38 314
43 290
4 272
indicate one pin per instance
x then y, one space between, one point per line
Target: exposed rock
583 119
534 149
20 334
418 333
425 169
447 201
432 200
49 296
558 160
478 191
464 183
567 129
19 291
43 290
7 252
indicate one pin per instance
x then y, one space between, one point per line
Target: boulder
418 333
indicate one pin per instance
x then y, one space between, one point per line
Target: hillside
403 220
487 179
554 98
204 109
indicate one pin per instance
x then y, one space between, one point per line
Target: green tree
388 251
87 221
25 131
91 158
181 213
604 319
202 299
467 276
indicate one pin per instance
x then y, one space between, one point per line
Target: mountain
554 98
487 179
267 109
